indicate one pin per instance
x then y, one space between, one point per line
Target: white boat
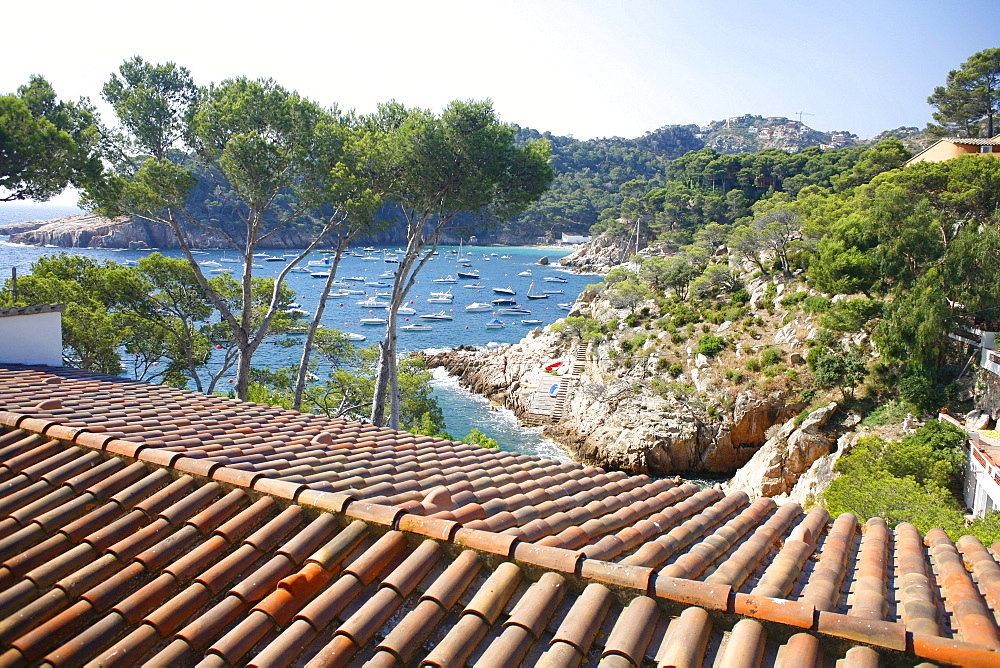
476 307
448 279
553 292
469 274
526 272
372 321
406 310
416 327
353 291
513 310
387 274
554 279
440 315
505 301
444 293
566 307
371 302
229 259
356 279
209 263
274 258
318 263
533 295
219 270
474 285
383 293
505 291
299 270
443 299
531 321
506 257
351 336
298 312
495 323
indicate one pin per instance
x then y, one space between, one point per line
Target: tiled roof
30 310
974 141
146 525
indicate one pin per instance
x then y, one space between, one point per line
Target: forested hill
595 176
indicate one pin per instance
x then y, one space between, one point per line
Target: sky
583 68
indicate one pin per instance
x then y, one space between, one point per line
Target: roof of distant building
30 310
146 524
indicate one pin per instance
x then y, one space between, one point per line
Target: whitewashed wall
34 338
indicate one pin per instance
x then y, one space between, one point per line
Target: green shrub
794 299
891 412
476 437
676 337
752 364
771 356
816 304
741 296
675 370
711 345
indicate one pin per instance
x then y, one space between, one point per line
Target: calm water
463 410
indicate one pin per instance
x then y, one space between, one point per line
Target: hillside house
953 147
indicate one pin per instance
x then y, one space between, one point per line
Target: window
986 149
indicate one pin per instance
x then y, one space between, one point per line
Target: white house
32 334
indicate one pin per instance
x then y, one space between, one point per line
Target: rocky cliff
90 231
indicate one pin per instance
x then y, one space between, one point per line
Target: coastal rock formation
605 421
91 231
777 466
600 255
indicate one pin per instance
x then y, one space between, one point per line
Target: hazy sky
581 68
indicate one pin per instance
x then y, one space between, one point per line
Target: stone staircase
547 405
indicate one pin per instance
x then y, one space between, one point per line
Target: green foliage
752 364
970 99
836 368
476 437
921 392
47 144
771 356
711 345
893 411
794 299
903 481
851 315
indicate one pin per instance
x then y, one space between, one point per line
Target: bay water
515 268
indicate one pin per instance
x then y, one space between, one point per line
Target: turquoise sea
498 267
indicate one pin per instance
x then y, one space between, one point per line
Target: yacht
476 307
513 310
416 327
469 274
505 291
440 315
319 274
505 301
554 279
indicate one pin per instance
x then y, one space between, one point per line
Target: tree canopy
45 144
970 98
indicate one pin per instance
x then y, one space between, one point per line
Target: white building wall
34 338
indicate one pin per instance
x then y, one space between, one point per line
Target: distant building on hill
573 239
954 147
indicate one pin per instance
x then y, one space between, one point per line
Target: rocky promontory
92 231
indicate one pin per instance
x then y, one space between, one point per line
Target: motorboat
553 292
531 321
300 312
505 291
441 299
495 323
351 336
371 302
513 311
474 285
448 279
209 263
469 274
356 279
416 327
526 272
219 270
299 270
319 274
387 274
554 279
378 284
373 321
406 310
505 301
325 262
440 315
275 258
566 306
506 257
476 307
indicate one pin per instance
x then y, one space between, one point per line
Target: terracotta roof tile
105 560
